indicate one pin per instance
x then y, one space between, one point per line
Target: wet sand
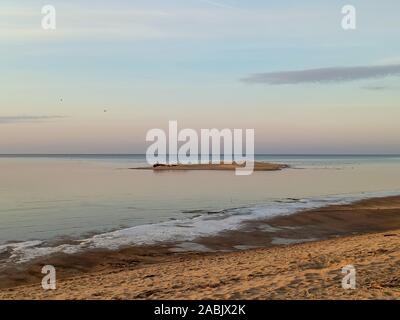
365 234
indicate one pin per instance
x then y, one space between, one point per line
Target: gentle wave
204 224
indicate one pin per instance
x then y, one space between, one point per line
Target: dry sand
303 271
309 270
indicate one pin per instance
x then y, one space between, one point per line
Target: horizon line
143 154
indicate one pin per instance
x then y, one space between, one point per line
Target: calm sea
51 203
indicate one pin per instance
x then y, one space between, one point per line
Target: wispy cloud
28 119
217 4
325 75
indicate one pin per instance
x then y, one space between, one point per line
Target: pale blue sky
150 61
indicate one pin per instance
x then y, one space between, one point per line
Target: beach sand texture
303 271
309 270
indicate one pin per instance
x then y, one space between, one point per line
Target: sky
284 68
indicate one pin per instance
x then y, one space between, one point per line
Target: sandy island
258 166
365 234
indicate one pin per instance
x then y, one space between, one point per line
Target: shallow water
98 199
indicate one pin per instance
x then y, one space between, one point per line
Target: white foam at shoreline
180 230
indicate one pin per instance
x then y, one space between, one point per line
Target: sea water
70 203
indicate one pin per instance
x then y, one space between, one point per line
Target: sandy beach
365 234
203 149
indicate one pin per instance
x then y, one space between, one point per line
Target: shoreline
298 271
335 223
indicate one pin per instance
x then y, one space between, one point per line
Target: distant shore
258 166
298 256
